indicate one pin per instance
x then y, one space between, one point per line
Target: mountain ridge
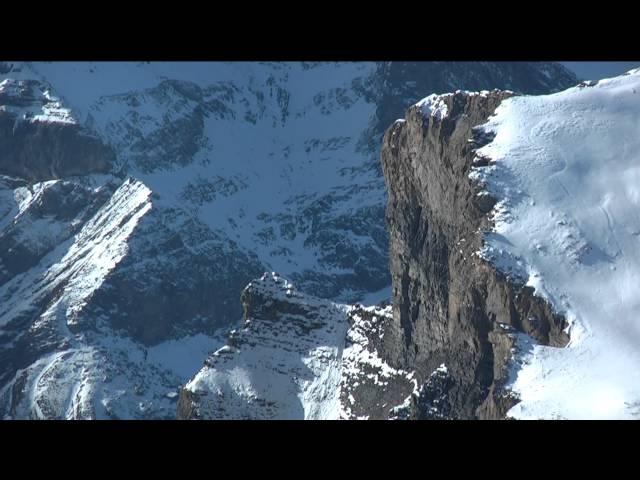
217 172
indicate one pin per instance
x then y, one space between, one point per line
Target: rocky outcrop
283 363
297 357
39 151
39 140
450 306
371 389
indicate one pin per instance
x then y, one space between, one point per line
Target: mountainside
450 306
514 249
447 344
564 169
514 252
297 357
140 199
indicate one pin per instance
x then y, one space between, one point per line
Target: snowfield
566 171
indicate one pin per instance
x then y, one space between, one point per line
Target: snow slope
76 365
566 171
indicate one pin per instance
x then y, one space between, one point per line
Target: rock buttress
451 307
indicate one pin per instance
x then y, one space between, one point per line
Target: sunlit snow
566 171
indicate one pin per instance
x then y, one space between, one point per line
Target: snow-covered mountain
141 198
514 250
298 357
565 169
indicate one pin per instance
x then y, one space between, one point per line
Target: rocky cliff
298 357
446 348
505 214
139 199
450 306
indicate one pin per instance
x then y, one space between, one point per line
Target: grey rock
44 150
448 303
178 276
297 357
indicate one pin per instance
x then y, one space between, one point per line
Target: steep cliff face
138 199
513 222
450 306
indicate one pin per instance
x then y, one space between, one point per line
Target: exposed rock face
297 357
39 140
449 306
174 281
75 339
220 171
371 388
38 152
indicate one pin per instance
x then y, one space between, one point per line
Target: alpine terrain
514 258
143 202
